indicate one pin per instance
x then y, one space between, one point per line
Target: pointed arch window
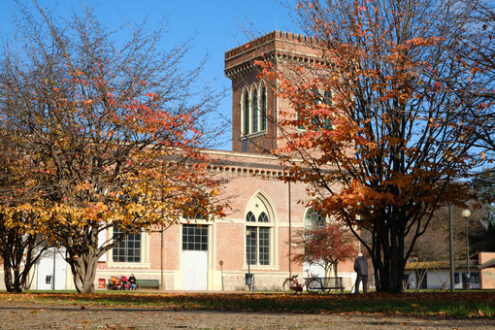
263 107
314 219
327 97
245 112
254 114
318 122
250 217
326 123
259 233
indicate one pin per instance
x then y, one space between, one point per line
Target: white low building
436 275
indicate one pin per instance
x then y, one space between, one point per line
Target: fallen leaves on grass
443 304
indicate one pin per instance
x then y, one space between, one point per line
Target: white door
51 270
194 257
194 270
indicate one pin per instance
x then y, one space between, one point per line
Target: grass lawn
436 304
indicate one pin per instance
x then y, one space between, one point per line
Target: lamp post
466 213
447 156
451 249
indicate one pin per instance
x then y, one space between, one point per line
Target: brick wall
487 275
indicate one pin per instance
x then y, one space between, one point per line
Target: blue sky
217 26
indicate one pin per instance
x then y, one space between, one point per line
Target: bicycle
312 284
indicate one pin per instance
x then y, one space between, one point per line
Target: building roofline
272 46
440 264
489 263
240 154
269 37
244 162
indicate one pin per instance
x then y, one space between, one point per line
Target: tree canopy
113 130
383 112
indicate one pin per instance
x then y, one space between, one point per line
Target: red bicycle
312 284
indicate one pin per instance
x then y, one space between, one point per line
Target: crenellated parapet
272 46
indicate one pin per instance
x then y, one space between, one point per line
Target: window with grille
195 237
263 108
317 121
127 250
252 245
245 111
257 239
314 219
255 111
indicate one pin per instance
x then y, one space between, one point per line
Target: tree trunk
388 274
18 258
83 260
387 255
83 254
83 269
12 284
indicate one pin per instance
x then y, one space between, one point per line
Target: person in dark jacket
132 282
361 268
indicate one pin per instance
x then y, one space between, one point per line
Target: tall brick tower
255 107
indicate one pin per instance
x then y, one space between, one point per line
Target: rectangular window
252 245
195 237
456 278
264 239
258 245
475 277
127 250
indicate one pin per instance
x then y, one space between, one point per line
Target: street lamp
451 249
466 213
448 157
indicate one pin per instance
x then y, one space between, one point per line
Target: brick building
264 210
254 235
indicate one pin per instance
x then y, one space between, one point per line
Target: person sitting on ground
132 282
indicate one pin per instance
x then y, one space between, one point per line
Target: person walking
361 268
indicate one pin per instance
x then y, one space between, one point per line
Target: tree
116 130
325 246
22 212
482 238
477 54
432 250
378 113
484 184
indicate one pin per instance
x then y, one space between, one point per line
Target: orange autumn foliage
374 125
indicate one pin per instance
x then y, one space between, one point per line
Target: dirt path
24 316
